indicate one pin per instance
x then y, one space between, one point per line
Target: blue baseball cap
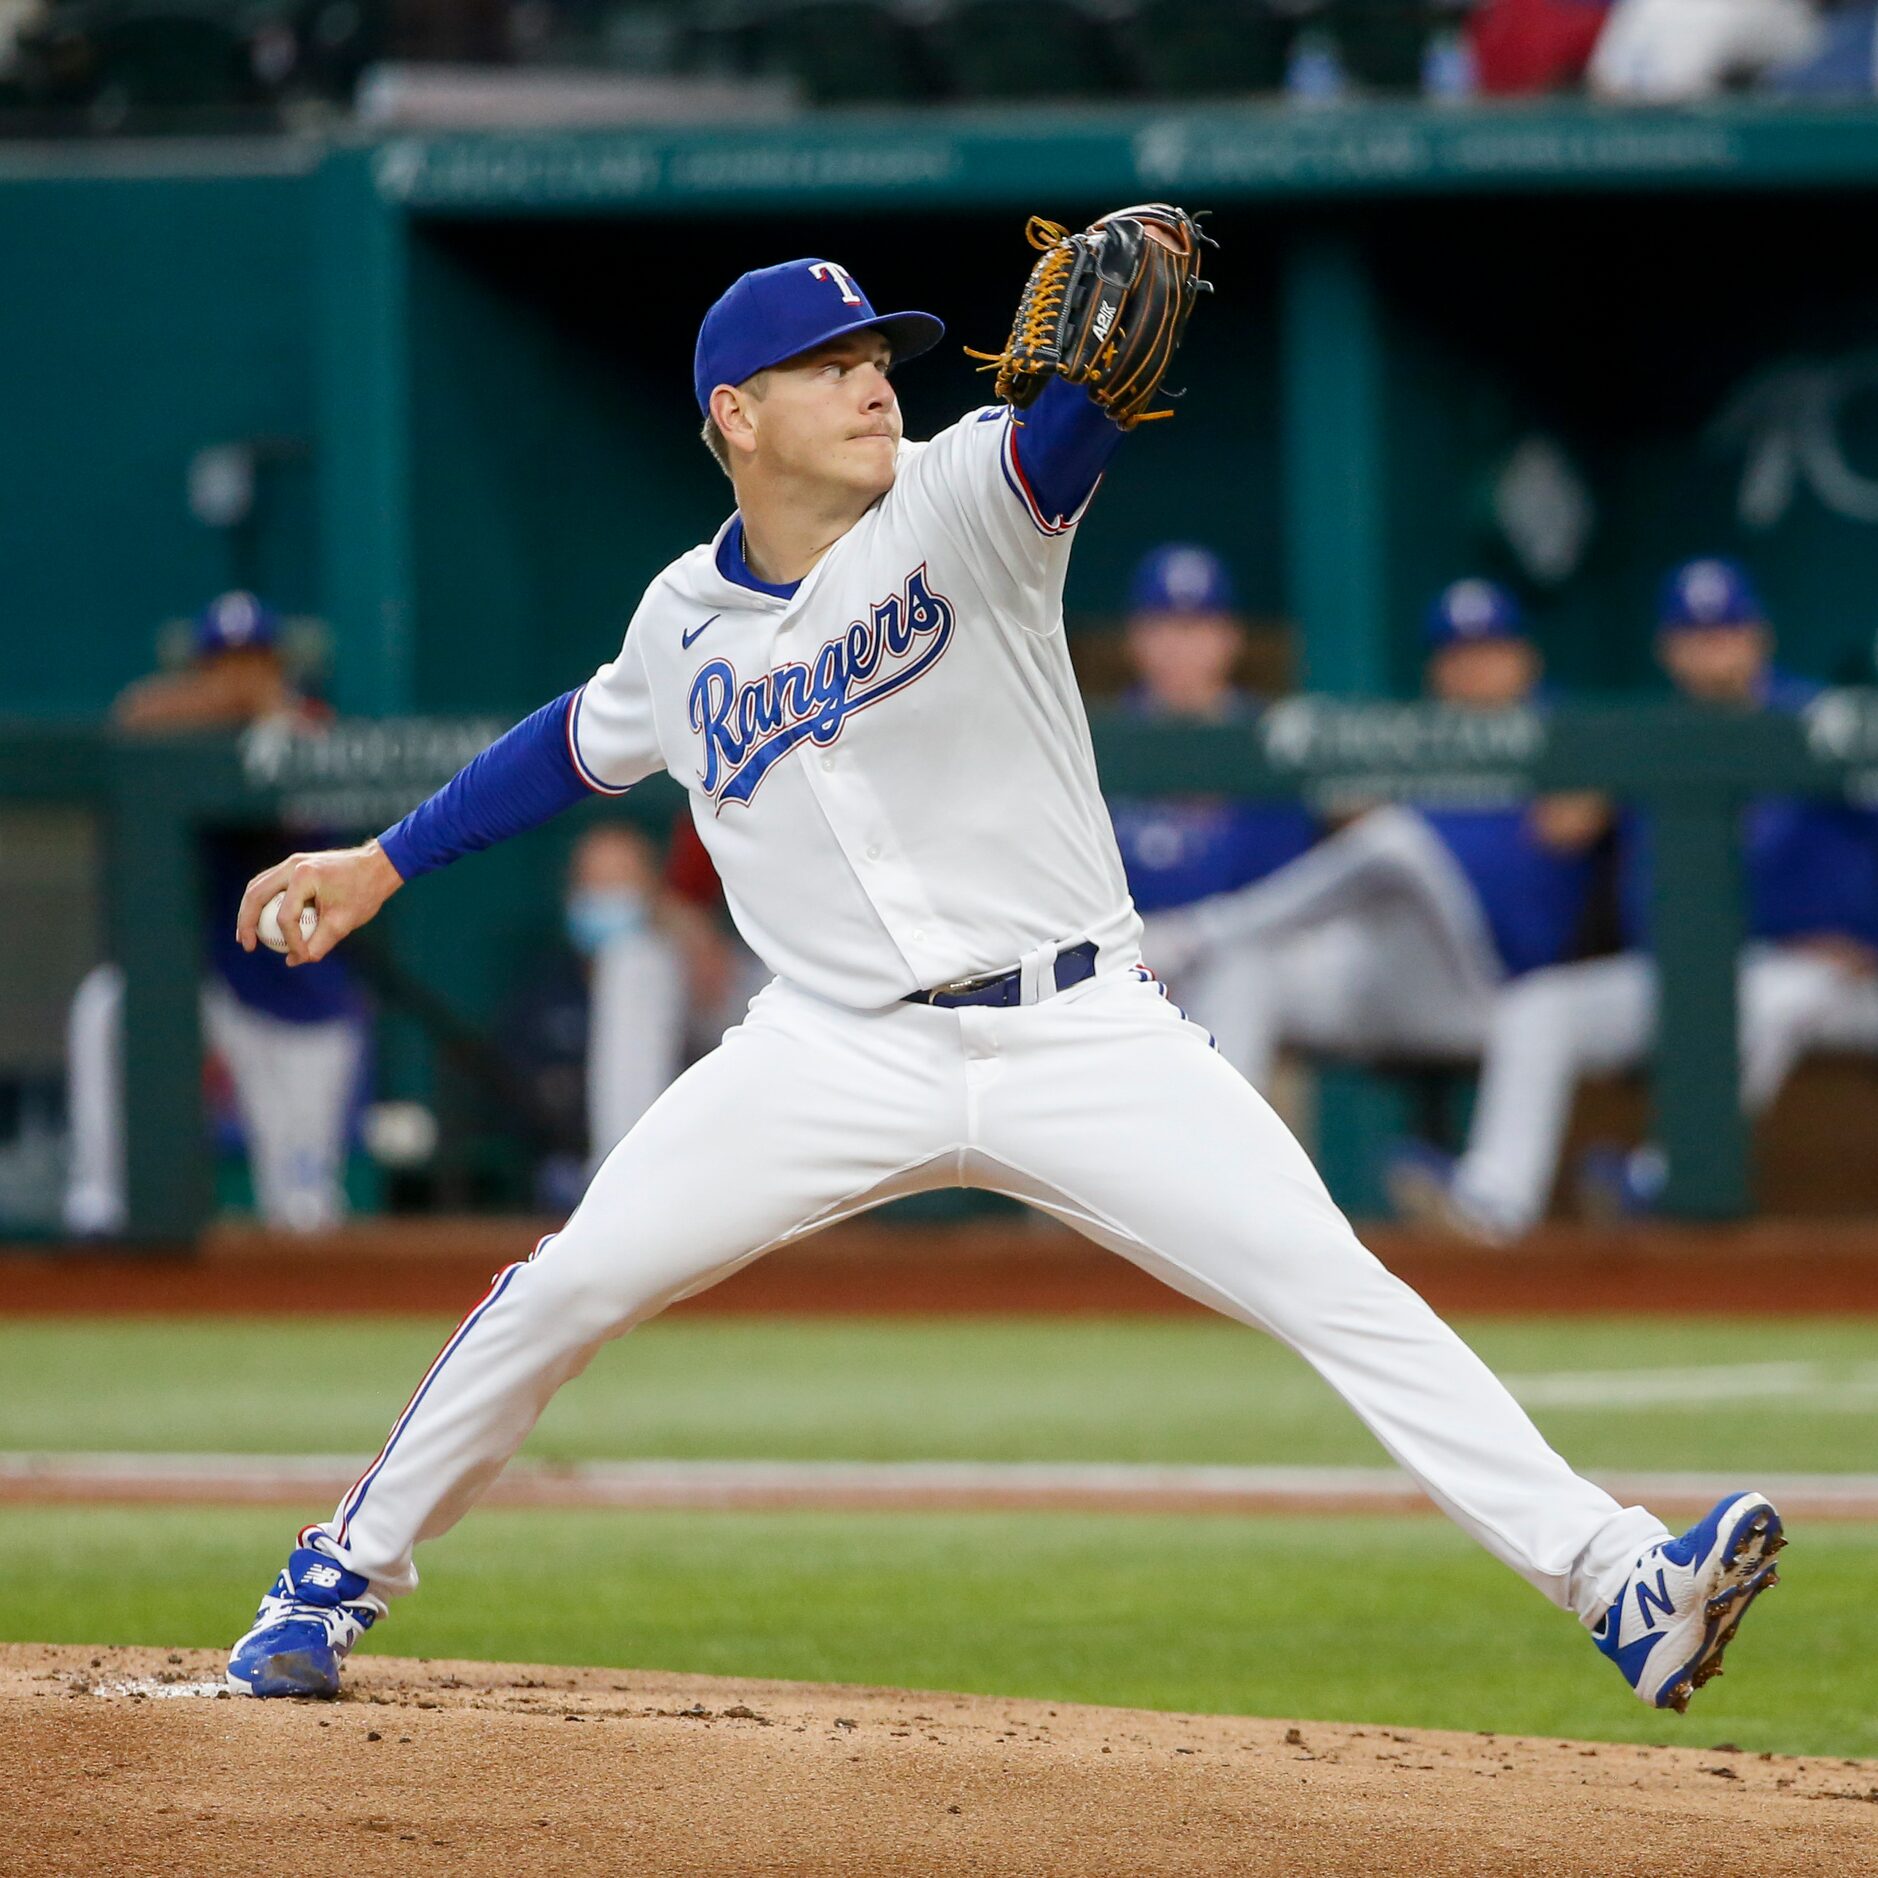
774 313
1709 592
1179 577
1468 611
233 620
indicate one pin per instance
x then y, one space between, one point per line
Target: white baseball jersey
891 770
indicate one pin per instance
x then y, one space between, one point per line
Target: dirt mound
126 1762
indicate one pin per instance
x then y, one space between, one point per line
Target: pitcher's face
830 416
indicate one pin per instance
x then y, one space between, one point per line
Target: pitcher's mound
131 1761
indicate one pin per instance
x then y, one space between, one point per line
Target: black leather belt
1073 965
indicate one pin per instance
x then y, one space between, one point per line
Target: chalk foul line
1807 1385
884 1486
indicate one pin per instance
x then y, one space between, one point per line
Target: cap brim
908 334
1439 641
1683 624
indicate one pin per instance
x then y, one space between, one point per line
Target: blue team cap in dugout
1181 578
1708 592
1467 611
232 620
774 313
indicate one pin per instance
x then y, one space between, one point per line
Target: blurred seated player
1389 939
291 1043
1184 637
1808 978
606 1024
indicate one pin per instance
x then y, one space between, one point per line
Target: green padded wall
1668 343
141 318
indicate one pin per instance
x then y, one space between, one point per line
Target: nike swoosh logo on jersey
688 640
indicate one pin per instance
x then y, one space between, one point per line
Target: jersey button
918 935
828 762
873 853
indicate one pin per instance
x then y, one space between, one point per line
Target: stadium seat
152 63
1043 49
337 40
156 58
838 51
449 31
1200 48
1382 41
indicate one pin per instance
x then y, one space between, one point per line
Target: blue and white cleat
1685 1598
315 1613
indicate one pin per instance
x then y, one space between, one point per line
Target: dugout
1569 346
468 359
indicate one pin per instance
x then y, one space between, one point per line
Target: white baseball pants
1369 986
637 1015
1371 945
1553 1027
1102 1106
293 1083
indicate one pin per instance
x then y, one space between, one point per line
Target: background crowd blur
105 66
281 326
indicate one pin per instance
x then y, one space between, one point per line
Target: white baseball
268 929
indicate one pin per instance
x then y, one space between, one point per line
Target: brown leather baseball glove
1105 309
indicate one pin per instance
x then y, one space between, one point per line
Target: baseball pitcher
862 682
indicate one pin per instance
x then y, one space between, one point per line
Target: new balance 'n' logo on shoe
1685 1598
315 1613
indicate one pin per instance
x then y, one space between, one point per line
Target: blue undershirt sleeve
1063 444
523 779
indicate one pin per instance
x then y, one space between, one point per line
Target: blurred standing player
725 973
1808 980
1184 637
863 683
601 1028
1390 939
292 1043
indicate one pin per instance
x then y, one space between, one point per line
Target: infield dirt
124 1762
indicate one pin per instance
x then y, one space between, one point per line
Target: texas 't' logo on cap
775 313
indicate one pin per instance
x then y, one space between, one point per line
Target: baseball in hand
268 927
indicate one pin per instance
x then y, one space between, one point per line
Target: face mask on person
596 916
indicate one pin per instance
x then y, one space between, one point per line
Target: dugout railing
1691 770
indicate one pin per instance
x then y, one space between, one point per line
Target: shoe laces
313 1586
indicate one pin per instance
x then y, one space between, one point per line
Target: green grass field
1796 1395
1391 1621
1395 1621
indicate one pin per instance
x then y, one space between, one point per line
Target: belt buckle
959 987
